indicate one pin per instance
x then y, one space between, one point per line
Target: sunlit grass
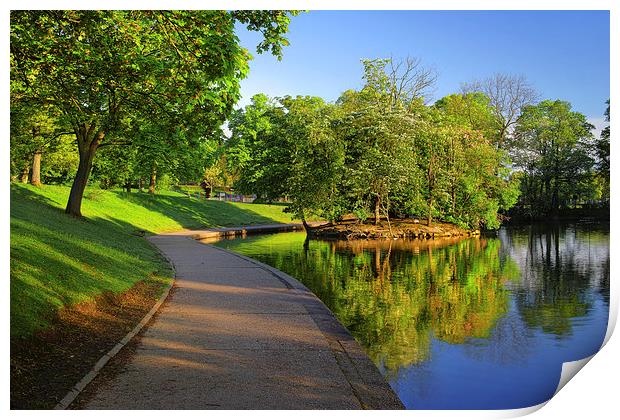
57 260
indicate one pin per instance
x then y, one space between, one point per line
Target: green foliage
36 128
379 151
115 166
316 158
246 150
552 146
273 24
161 81
59 161
107 65
602 157
380 163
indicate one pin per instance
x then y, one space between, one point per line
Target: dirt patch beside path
46 366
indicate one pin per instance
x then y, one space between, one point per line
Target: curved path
237 334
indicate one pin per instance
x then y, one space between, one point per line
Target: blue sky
564 54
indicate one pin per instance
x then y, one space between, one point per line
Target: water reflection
460 323
562 269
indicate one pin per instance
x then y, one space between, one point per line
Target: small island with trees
382 163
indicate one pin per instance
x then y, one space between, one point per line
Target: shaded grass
57 260
47 364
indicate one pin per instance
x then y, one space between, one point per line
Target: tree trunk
429 217
502 135
140 184
555 200
128 187
377 210
74 205
35 179
87 149
453 195
153 179
305 223
23 178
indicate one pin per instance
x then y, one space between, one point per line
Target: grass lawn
57 260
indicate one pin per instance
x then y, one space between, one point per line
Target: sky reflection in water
460 324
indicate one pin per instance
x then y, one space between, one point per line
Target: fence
195 191
237 198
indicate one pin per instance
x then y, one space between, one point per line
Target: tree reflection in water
460 323
564 269
395 296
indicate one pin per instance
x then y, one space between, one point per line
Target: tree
372 164
552 147
408 80
211 178
377 127
35 131
285 147
60 161
317 158
259 151
397 83
431 142
246 145
602 156
477 180
116 166
507 94
101 68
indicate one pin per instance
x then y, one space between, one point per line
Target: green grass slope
57 260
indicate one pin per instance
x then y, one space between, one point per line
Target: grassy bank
58 261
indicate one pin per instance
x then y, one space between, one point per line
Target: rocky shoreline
395 229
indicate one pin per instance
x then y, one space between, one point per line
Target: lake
477 323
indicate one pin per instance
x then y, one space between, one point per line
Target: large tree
553 147
477 184
377 125
507 94
379 165
316 158
102 68
248 154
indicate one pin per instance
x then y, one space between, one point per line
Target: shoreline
394 229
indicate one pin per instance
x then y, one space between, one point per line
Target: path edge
92 374
368 385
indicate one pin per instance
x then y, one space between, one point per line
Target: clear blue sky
564 54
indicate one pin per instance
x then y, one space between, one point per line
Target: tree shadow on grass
193 213
23 194
58 260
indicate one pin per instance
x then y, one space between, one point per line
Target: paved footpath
237 334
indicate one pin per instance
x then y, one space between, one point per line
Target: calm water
471 324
